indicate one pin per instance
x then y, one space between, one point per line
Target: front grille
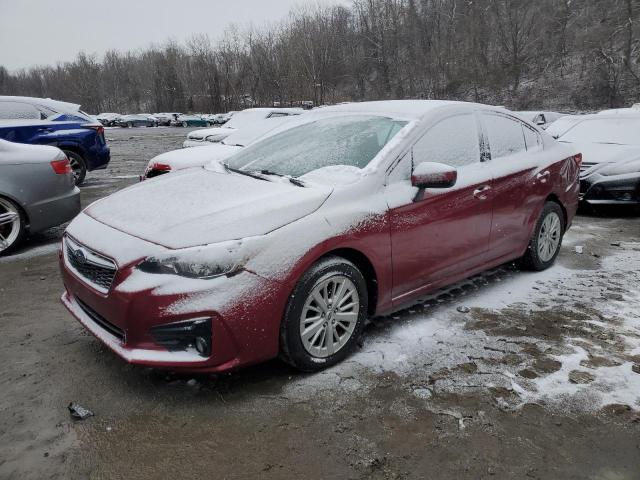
96 269
100 320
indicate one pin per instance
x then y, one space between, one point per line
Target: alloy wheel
9 224
329 316
549 236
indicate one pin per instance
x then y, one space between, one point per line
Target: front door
438 234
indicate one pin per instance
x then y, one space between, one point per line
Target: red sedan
285 249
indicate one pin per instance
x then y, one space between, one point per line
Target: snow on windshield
346 140
623 131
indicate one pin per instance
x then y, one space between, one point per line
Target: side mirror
540 122
433 175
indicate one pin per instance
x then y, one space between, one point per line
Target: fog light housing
185 335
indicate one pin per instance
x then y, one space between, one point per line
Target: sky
45 32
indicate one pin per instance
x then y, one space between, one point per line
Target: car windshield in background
622 131
349 140
242 119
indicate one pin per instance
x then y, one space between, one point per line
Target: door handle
481 192
543 176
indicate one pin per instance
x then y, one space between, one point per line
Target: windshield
345 140
623 131
245 118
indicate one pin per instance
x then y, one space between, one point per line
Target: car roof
410 109
46 102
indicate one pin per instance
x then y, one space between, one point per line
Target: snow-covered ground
567 337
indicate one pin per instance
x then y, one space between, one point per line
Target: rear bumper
98 158
597 189
54 211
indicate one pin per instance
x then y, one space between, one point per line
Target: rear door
439 233
521 182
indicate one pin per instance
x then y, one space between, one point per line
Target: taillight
98 128
578 159
161 166
61 167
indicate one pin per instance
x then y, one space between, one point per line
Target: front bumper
597 189
244 312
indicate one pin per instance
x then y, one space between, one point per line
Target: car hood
195 156
198 207
205 132
605 153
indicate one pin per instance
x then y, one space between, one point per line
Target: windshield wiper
245 172
294 181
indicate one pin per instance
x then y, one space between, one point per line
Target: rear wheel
544 246
12 225
78 165
325 315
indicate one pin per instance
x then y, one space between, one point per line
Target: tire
78 165
12 226
185 124
546 241
345 319
130 125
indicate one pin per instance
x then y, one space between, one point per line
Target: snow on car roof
46 102
409 109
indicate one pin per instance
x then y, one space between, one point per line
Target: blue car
42 121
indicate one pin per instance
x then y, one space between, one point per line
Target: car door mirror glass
433 175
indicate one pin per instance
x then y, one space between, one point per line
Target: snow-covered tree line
562 54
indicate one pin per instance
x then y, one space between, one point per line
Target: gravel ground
506 375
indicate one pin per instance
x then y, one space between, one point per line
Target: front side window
505 135
18 111
343 140
454 141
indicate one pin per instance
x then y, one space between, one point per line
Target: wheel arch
552 197
365 265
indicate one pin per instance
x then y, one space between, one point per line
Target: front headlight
215 138
206 262
621 168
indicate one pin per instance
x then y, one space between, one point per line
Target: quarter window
531 138
505 135
453 141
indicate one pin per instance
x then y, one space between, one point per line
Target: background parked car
164 119
610 146
244 119
108 119
202 155
541 119
189 121
49 122
135 120
37 191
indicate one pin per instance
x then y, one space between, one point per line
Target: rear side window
18 111
531 138
454 141
505 135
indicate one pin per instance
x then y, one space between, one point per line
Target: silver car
37 191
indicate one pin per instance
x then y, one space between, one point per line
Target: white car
108 119
205 154
240 120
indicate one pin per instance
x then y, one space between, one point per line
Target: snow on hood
205 132
195 156
199 207
605 153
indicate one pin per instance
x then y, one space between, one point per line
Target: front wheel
78 165
544 245
325 315
12 225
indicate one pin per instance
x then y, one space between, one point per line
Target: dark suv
42 121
